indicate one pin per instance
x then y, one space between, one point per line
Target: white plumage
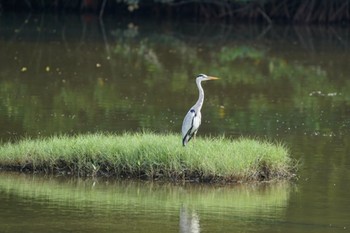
193 117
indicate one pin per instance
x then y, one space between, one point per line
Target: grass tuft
150 156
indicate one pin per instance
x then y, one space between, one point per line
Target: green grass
151 156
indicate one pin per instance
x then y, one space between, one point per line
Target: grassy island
150 156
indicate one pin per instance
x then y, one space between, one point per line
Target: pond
62 74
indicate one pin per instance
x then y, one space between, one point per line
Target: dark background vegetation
301 11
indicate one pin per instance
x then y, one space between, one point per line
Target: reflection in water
137 206
189 221
98 75
68 74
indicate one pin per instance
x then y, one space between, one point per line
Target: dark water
70 74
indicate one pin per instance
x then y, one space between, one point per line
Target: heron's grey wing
187 124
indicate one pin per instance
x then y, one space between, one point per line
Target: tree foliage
306 11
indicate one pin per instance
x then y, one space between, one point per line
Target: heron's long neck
200 100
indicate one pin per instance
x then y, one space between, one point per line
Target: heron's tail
185 140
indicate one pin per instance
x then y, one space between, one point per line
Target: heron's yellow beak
212 78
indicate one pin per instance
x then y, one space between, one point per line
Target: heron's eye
192 110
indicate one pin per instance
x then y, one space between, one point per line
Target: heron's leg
194 135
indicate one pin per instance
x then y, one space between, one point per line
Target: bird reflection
189 221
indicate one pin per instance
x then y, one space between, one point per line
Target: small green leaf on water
23 69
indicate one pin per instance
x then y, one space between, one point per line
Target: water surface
72 74
129 206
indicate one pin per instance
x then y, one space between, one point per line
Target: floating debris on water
320 93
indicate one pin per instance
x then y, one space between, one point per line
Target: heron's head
204 77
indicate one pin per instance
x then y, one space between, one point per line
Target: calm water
70 74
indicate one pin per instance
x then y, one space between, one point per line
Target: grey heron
193 117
